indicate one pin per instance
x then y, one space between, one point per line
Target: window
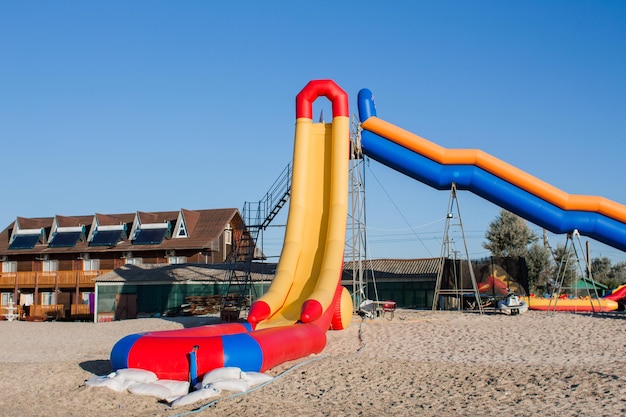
48 298
177 260
67 237
84 297
228 235
134 261
9 266
91 264
108 235
7 298
26 238
50 265
181 229
151 234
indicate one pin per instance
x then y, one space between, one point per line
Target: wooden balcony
56 279
47 312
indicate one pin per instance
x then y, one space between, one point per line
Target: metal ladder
257 216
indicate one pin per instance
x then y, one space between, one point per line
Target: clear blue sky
120 106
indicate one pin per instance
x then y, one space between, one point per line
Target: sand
419 363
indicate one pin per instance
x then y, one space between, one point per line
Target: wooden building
50 264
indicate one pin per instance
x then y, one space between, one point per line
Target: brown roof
182 272
396 268
204 228
399 269
64 221
114 219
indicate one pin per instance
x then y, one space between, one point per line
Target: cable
400 212
360 349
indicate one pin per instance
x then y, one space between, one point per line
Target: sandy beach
418 363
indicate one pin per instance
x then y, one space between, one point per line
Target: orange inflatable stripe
496 167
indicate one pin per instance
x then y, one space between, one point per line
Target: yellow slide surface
311 261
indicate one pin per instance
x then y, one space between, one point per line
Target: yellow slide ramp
311 261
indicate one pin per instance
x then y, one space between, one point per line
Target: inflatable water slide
305 298
498 182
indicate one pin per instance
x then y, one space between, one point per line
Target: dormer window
180 229
26 238
151 233
67 236
108 235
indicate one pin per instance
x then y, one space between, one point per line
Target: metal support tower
356 233
456 285
566 264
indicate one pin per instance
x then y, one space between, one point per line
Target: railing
47 312
261 213
48 279
50 311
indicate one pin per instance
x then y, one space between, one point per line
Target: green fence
415 294
157 299
153 299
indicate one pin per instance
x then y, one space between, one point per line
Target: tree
567 268
618 275
538 263
610 275
509 235
601 269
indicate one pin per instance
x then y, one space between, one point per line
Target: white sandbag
110 381
177 388
150 389
126 384
137 375
236 385
196 396
256 378
219 374
171 399
96 381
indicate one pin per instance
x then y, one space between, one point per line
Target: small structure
409 282
586 286
135 291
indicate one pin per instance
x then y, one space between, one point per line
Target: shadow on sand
97 367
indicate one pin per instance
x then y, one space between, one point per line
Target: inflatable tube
581 305
491 179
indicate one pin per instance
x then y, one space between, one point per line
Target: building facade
49 265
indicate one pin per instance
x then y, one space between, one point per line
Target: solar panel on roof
24 241
149 236
106 237
65 239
